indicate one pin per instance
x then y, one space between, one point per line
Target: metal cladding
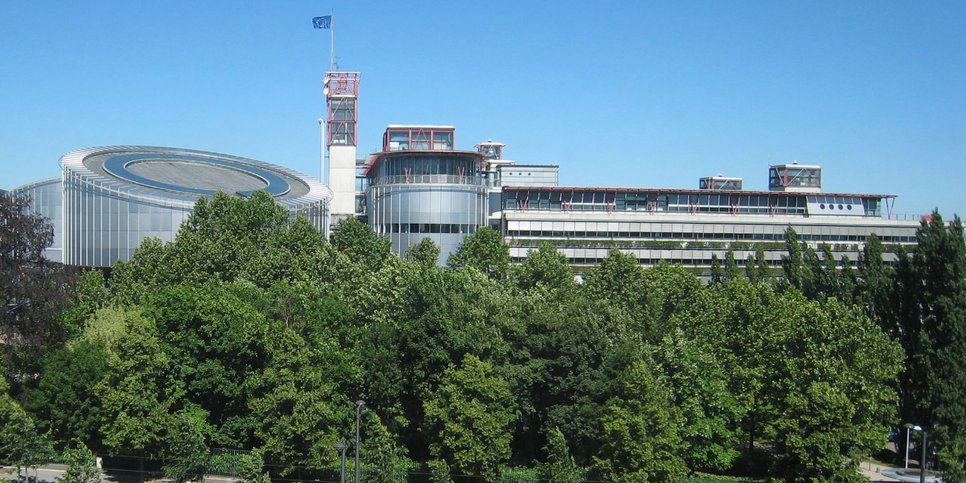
114 197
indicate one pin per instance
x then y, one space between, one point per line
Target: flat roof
688 191
417 126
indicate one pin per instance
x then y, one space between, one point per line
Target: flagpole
332 43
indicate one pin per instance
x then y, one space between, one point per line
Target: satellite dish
325 90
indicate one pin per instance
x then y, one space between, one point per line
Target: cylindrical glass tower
418 194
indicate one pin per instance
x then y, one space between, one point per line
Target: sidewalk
873 471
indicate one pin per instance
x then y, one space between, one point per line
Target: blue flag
322 22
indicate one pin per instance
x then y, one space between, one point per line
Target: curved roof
179 176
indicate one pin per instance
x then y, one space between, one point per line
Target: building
420 186
109 199
691 227
47 200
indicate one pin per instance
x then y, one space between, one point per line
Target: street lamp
909 428
340 447
359 405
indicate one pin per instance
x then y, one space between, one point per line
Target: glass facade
792 176
419 138
413 196
655 201
46 199
106 216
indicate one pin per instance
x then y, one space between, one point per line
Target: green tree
186 445
793 264
731 270
699 390
139 392
384 459
640 438
360 244
299 412
756 269
65 400
545 268
81 465
439 471
470 416
875 282
485 251
621 281
717 271
251 468
833 389
426 252
559 466
936 375
21 444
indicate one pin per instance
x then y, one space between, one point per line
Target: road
52 472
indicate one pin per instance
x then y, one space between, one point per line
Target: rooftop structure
795 177
720 183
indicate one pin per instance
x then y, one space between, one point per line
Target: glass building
47 200
420 187
110 199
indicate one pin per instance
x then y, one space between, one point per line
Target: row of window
697 262
426 228
577 235
415 165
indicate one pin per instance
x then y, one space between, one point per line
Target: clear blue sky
630 94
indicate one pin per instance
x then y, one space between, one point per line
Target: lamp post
909 428
359 405
341 447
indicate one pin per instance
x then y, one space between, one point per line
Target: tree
545 268
731 270
384 460
186 445
756 269
699 390
619 280
360 244
298 410
469 417
793 264
936 375
832 390
426 252
485 251
20 442
439 471
559 466
875 280
81 465
32 291
139 393
65 399
640 439
251 468
717 272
